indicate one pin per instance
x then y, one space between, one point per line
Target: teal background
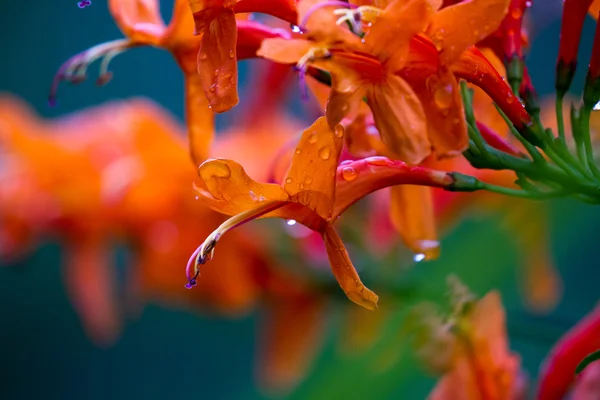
176 354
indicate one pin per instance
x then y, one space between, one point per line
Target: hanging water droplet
597 106
443 96
324 152
349 173
419 257
289 180
298 150
231 53
291 222
213 87
339 131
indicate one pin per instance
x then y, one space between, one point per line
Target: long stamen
318 6
358 16
205 251
74 70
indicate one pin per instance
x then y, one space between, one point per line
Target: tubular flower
217 62
481 364
366 69
313 194
141 22
558 371
570 35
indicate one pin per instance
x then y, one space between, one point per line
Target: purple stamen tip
191 283
52 101
84 3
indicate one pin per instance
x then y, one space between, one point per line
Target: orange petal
344 271
181 26
217 64
90 283
400 119
311 177
455 28
446 127
483 105
290 339
317 19
226 188
199 118
412 214
284 51
595 9
139 20
282 9
389 37
342 104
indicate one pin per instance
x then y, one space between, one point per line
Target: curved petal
199 119
344 271
442 101
455 28
90 283
342 104
311 177
139 20
225 187
284 51
217 63
251 35
181 26
400 119
389 37
290 337
413 216
594 10
357 179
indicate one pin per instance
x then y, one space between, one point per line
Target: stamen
206 251
358 16
84 3
74 70
323 4
302 65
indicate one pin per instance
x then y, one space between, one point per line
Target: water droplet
339 131
377 160
324 152
213 87
217 169
289 180
516 13
419 257
291 222
298 150
231 53
313 138
196 198
296 29
203 56
443 96
308 180
510 99
597 106
349 173
346 162
217 71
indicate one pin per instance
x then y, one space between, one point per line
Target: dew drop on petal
324 152
346 162
231 53
203 56
298 150
213 87
291 222
313 138
289 180
308 180
217 169
349 173
339 131
217 71
443 96
597 106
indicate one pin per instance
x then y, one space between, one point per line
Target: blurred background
168 351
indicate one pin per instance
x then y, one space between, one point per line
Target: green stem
559 116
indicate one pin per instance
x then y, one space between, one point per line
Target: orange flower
313 194
217 63
141 22
368 70
481 365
